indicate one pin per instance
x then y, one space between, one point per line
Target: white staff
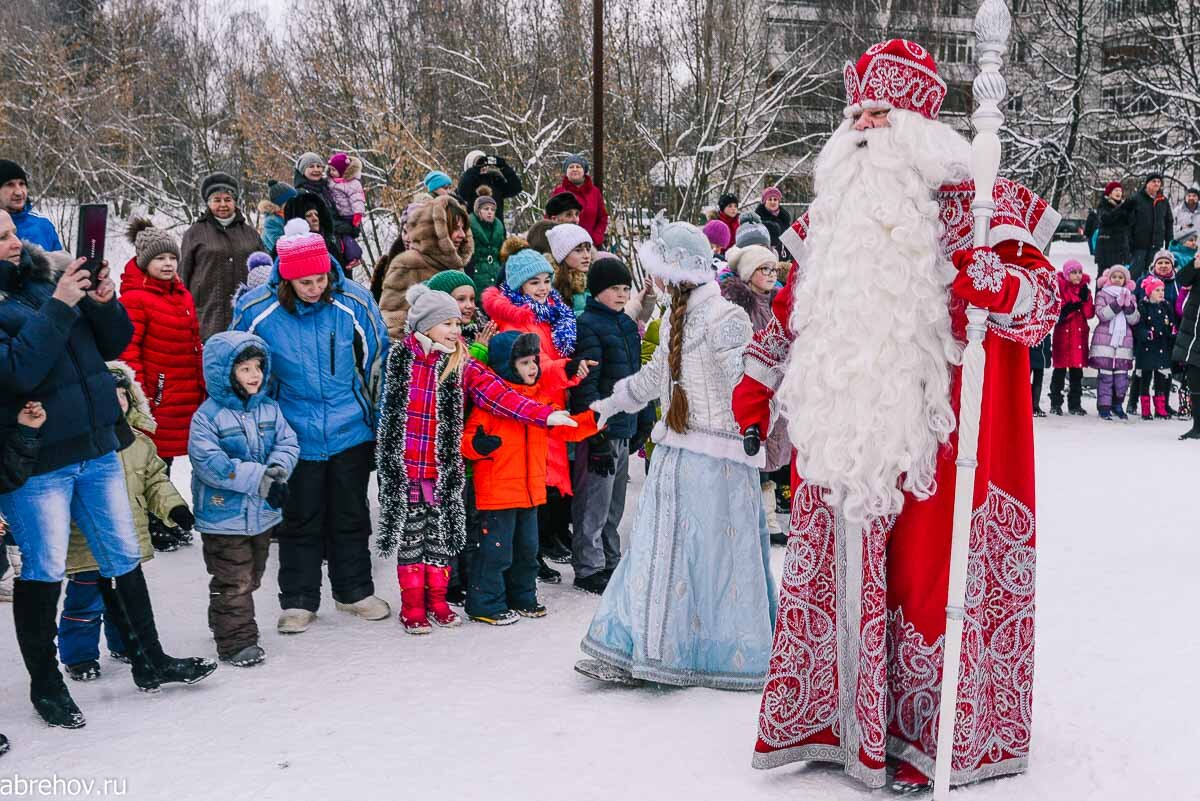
992 25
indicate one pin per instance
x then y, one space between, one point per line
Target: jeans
597 508
82 616
504 570
92 494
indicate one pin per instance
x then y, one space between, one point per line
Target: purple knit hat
717 233
771 192
339 161
1070 266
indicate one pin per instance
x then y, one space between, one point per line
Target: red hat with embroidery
301 253
895 74
1151 283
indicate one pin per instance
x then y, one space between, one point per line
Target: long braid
677 415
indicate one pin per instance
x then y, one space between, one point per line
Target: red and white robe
854 683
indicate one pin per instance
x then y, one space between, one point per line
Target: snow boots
1194 431
1161 411
370 608
909 781
437 579
84 671
1105 412
161 536
412 598
35 618
295 621
247 657
1146 415
127 600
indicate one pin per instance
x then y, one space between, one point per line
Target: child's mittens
485 444
356 220
277 472
182 517
277 495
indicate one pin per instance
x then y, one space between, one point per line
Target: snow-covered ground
361 710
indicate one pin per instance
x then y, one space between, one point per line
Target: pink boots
412 598
1145 401
423 595
436 581
1160 407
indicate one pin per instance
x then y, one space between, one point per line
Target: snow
354 709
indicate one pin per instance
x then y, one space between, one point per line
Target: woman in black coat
1115 222
1187 343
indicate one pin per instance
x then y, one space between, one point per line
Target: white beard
867 385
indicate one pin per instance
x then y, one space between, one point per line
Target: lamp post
598 93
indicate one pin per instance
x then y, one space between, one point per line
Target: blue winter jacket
33 228
232 442
328 361
610 338
54 353
272 230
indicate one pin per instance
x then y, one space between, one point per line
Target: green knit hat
449 280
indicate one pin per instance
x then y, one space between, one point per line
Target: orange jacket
515 475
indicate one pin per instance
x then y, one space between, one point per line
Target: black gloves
601 459
1084 292
1068 308
277 495
182 517
485 444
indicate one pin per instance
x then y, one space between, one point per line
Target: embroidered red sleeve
1036 309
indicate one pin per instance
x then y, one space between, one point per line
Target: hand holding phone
89 240
73 284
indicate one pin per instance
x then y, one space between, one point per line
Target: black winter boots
35 617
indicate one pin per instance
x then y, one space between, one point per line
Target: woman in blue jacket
328 346
56 330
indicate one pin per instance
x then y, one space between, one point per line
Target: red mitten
752 406
356 220
984 281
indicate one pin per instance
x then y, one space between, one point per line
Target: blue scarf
554 313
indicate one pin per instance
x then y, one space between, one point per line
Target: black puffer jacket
1187 343
1112 242
56 354
610 338
502 179
1150 221
1154 336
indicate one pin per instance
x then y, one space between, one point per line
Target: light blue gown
692 602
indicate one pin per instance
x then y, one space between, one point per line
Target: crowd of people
464 368
502 386
1143 344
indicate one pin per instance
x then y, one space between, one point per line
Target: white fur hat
472 157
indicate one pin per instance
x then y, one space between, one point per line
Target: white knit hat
564 238
745 261
472 157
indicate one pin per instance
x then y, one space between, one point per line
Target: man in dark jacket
601 471
213 253
56 331
1150 224
493 171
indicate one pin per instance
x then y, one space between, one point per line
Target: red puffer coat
1070 340
165 353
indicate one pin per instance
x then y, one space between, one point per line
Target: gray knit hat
751 231
149 241
577 158
279 192
428 307
218 182
483 198
306 160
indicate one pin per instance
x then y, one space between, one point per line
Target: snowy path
360 710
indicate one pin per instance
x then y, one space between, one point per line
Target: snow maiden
692 602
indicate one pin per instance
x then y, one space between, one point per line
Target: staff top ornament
895 74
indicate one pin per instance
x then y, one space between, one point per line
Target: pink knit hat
770 192
1070 266
1150 283
339 161
717 233
301 253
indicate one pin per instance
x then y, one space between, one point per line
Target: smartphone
89 240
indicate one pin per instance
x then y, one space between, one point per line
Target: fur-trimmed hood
139 414
429 235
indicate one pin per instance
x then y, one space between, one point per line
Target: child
242 452
165 351
727 204
1155 339
459 286
1112 341
271 209
148 483
718 236
18 454
753 288
1039 360
571 257
488 231
510 481
1070 351
349 203
609 337
692 603
525 301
